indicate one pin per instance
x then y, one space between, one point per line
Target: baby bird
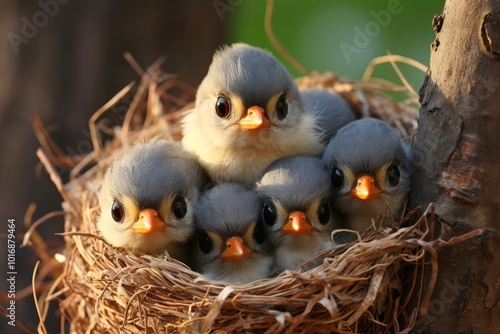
331 111
231 244
248 113
370 166
147 197
297 209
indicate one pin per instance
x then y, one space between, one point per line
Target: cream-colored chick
248 113
147 197
370 168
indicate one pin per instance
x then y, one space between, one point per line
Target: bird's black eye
259 234
268 215
222 107
337 178
179 207
324 213
117 212
282 107
393 175
205 243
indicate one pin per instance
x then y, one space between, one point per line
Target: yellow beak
297 224
148 222
235 250
366 188
255 119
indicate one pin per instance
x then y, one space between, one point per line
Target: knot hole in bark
490 35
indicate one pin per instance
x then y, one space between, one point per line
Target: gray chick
231 243
297 209
147 197
370 167
331 111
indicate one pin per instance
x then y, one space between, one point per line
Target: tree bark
457 166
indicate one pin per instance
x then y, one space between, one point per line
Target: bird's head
231 243
146 198
297 196
369 162
247 97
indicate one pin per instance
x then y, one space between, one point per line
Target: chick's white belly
232 164
245 166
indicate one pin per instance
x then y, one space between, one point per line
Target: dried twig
274 41
41 325
390 58
94 133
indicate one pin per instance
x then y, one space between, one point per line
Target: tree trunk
457 166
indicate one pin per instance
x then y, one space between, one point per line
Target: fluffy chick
147 196
231 244
297 209
370 168
248 113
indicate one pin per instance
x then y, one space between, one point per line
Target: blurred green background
320 33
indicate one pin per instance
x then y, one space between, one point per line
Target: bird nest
359 287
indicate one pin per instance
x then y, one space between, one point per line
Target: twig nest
357 288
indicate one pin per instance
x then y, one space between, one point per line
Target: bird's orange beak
297 224
366 188
235 250
255 119
148 222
